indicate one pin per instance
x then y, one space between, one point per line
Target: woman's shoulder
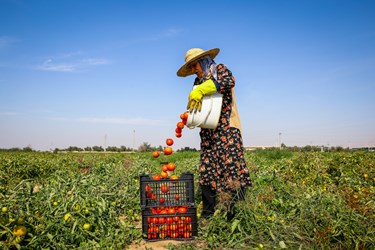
222 68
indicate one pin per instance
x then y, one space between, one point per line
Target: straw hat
192 55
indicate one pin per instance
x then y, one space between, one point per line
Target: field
321 200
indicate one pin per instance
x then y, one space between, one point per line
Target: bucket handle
205 119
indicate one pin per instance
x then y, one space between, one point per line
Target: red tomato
171 210
178 130
161 199
149 194
177 197
188 219
171 166
163 211
168 151
182 210
180 125
174 234
187 235
157 177
162 235
161 220
164 188
156 154
169 142
184 115
164 168
173 226
147 188
178 135
176 218
163 174
169 220
154 220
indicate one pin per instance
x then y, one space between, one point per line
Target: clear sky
103 73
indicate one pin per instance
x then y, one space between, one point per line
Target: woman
222 163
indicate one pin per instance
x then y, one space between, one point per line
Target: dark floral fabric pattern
222 163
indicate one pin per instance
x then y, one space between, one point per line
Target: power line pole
133 140
280 140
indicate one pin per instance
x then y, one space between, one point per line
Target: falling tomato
163 174
168 151
178 130
169 142
171 166
164 167
155 154
180 125
185 116
178 135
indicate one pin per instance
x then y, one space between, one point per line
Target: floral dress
222 163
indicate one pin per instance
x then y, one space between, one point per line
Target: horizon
93 73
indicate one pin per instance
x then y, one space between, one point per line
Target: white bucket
209 115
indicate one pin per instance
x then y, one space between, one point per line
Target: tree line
144 147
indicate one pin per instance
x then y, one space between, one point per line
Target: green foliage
299 200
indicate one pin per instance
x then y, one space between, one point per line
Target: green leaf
272 236
235 224
282 244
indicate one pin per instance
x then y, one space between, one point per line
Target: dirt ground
155 245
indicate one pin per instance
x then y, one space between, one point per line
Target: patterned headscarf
209 67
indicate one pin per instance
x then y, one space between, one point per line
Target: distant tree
97 148
74 148
145 147
112 149
88 149
27 149
124 149
187 149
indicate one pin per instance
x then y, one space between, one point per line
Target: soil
155 245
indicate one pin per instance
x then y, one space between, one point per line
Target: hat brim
185 69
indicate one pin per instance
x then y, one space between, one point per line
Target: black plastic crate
167 192
177 226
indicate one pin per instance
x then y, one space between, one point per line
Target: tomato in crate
157 225
166 192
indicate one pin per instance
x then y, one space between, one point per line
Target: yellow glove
195 98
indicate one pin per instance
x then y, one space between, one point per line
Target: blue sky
86 73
